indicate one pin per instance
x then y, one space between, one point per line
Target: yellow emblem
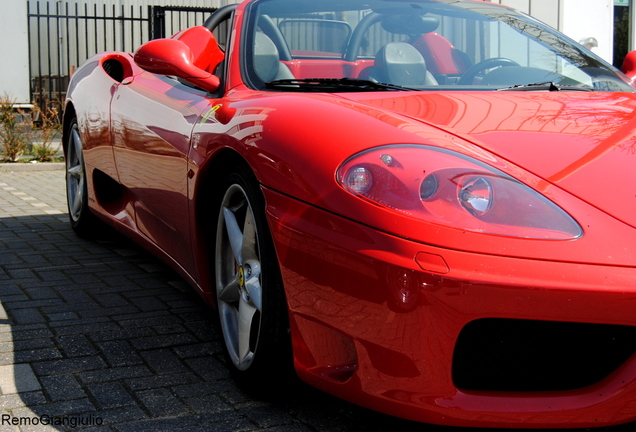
241 276
210 113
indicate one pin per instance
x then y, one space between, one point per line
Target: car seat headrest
401 64
266 58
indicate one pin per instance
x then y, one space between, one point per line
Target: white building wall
578 19
582 19
547 11
137 3
14 51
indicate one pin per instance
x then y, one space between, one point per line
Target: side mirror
174 57
629 65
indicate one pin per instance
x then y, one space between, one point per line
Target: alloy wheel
238 277
75 175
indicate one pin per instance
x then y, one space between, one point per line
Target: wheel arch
220 174
207 196
69 115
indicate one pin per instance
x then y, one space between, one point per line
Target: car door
152 119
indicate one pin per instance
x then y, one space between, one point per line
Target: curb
40 166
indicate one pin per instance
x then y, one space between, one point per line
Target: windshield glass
338 45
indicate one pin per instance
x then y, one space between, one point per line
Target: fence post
157 22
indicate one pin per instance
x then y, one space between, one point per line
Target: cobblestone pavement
99 335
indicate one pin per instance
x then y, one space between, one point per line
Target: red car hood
581 141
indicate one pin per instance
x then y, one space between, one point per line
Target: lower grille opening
523 355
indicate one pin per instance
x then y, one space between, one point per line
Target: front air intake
524 355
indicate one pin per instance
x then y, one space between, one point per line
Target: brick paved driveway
101 333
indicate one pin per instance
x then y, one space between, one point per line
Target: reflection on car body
424 207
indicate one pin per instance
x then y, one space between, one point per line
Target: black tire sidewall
85 223
272 356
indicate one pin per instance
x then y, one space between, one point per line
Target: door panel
152 120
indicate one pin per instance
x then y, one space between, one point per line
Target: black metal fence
61 38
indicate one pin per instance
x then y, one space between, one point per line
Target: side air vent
117 66
114 69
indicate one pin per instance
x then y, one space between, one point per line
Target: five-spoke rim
238 277
75 174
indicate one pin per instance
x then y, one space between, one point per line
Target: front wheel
249 293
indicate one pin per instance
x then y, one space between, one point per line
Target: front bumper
376 320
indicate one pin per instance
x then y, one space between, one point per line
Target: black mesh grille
114 69
523 355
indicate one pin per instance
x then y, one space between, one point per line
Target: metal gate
168 20
62 37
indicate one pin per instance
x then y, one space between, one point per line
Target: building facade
48 39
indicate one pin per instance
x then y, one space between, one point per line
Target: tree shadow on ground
100 334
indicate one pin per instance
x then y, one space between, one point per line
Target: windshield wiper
548 85
332 85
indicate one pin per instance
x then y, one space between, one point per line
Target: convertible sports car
426 207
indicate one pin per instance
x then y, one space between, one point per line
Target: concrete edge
28 166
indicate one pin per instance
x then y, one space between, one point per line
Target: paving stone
18 400
78 364
14 298
10 289
119 353
41 293
109 311
157 381
63 316
161 402
147 304
111 395
121 415
94 327
163 341
267 416
111 300
103 329
32 355
18 378
169 329
225 421
164 425
62 387
204 349
27 344
76 345
144 320
208 404
52 275
30 304
163 361
114 374
61 408
122 334
207 368
31 334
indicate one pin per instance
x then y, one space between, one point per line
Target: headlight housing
447 188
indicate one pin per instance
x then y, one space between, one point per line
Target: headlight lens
359 180
447 188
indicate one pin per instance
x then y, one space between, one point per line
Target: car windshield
395 45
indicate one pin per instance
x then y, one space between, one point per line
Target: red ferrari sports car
426 207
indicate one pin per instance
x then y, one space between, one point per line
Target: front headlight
450 189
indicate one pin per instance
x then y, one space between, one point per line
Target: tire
249 295
82 220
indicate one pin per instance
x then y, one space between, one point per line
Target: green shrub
45 125
14 136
